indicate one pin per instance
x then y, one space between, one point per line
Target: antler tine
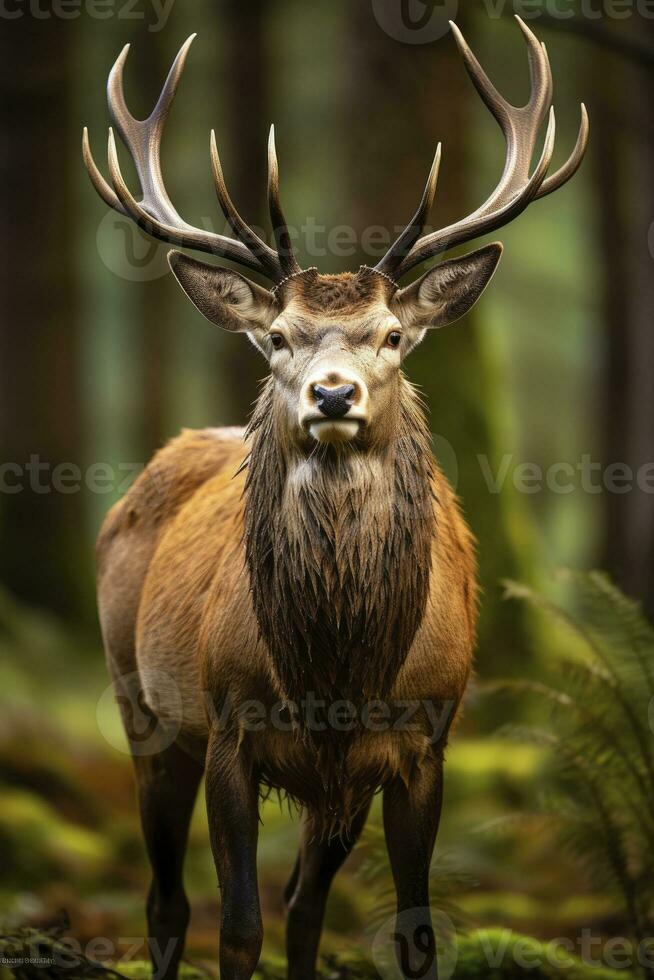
155 213
516 189
497 104
160 112
519 124
289 263
102 187
541 74
179 234
414 229
482 222
240 228
572 164
143 136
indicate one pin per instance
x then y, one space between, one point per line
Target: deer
317 555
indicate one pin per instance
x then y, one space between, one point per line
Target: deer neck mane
338 550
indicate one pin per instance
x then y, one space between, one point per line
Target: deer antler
155 213
516 189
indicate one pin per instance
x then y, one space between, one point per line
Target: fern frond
600 749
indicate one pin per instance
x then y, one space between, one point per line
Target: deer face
334 374
335 344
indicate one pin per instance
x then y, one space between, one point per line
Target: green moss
487 954
500 954
140 970
497 907
489 760
38 842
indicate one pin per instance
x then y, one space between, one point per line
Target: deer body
194 618
273 599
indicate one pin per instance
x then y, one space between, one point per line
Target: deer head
335 344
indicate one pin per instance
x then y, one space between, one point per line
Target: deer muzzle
333 406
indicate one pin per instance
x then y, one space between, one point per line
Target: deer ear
223 296
445 293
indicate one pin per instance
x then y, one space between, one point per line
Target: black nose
334 402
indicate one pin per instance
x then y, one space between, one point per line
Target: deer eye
394 339
277 341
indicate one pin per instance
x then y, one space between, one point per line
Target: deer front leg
232 790
411 817
307 892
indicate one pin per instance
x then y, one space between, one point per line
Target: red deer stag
317 558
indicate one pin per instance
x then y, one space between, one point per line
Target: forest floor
70 839
481 955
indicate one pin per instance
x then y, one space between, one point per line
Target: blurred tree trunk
39 409
623 123
245 82
402 99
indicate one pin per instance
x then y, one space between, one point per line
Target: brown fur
181 528
339 566
318 558
345 291
269 575
346 573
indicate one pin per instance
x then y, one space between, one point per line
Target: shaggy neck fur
338 549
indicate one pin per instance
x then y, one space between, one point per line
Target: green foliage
601 750
488 954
